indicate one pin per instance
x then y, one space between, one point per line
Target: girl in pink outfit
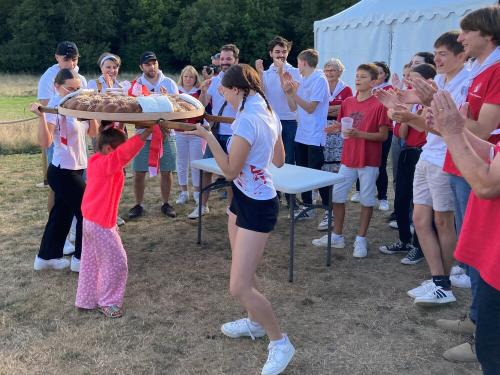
103 268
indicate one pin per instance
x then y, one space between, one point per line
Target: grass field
352 318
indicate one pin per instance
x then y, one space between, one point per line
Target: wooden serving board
131 118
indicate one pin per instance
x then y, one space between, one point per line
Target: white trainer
196 197
356 197
75 264
278 358
383 205
323 225
393 224
337 241
460 280
360 248
54 264
243 328
182 198
69 248
435 296
422 289
194 213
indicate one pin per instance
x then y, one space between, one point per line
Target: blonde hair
189 69
336 64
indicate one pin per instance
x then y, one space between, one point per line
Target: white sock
281 341
360 238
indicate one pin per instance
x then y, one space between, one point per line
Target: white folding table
289 179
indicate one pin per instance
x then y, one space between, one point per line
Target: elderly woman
339 91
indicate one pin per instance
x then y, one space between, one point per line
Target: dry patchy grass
351 318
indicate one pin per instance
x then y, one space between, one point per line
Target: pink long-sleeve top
105 182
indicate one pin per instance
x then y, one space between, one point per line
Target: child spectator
361 157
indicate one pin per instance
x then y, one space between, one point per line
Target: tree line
180 32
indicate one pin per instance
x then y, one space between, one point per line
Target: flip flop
111 311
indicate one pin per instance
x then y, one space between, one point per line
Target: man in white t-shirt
152 81
67 58
310 99
279 48
210 93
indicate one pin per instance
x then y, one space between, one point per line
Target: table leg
329 245
200 199
292 237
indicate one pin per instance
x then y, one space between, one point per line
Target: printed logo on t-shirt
358 118
477 87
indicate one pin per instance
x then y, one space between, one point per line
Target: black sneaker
396 247
135 211
414 256
168 210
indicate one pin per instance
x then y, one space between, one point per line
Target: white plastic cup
346 123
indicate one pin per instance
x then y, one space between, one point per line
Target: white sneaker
457 270
120 221
279 357
323 225
196 197
337 241
54 264
422 289
356 197
360 248
75 264
243 328
182 198
436 296
393 224
383 205
194 213
460 281
69 248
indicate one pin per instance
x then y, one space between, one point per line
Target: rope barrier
17 121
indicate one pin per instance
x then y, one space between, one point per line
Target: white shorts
367 185
431 187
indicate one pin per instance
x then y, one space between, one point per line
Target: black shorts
252 214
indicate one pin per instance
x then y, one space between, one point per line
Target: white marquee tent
387 30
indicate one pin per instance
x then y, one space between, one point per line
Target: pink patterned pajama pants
103 268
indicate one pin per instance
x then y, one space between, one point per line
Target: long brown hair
246 78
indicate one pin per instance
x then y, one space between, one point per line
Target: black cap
67 49
146 56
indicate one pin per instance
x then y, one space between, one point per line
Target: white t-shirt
217 102
260 128
74 155
310 125
104 86
434 151
275 94
163 81
46 88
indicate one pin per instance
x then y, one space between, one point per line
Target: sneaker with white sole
50 264
194 213
395 248
414 256
243 328
323 225
356 197
75 264
68 248
460 281
393 224
383 205
436 296
278 358
422 289
182 198
337 241
360 248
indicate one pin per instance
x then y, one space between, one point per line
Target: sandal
112 311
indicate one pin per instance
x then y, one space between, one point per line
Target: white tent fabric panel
388 30
345 43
